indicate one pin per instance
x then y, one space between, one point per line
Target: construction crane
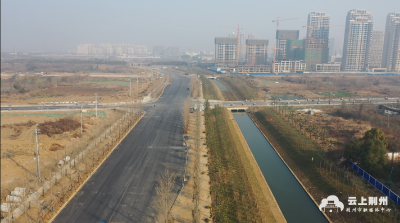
238 44
273 63
312 26
277 21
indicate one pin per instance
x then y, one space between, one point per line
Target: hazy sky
54 25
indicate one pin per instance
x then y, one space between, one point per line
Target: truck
186 73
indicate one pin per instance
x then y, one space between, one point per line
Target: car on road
298 102
295 99
254 103
317 102
10 105
386 98
231 104
341 99
242 103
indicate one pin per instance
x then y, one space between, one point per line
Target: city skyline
50 26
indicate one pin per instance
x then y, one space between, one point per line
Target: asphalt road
123 188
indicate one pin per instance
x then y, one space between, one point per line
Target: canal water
292 199
220 85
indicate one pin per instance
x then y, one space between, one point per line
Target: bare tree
164 201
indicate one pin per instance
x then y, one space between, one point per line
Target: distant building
225 51
289 66
320 25
357 40
256 51
243 38
110 49
326 67
335 58
295 50
316 51
282 36
391 46
84 49
332 46
171 52
158 50
376 49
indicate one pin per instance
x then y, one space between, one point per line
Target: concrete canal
292 199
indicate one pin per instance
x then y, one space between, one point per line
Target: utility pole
137 84
95 95
130 87
81 121
36 132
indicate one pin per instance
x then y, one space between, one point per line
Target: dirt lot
340 85
76 88
18 166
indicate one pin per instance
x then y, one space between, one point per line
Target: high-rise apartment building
316 51
243 38
295 50
256 51
320 25
376 49
225 51
282 36
391 46
357 40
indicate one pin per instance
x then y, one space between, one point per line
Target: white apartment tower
391 46
320 25
225 51
357 40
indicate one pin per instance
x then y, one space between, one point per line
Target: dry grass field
59 138
340 85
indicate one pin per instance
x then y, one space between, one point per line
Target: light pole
81 121
130 87
95 95
36 132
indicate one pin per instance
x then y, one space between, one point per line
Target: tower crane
238 39
277 21
313 26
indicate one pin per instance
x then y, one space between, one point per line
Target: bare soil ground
183 207
75 91
314 86
18 151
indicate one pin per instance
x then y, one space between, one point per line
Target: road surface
123 188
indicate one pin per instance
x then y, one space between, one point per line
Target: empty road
123 188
